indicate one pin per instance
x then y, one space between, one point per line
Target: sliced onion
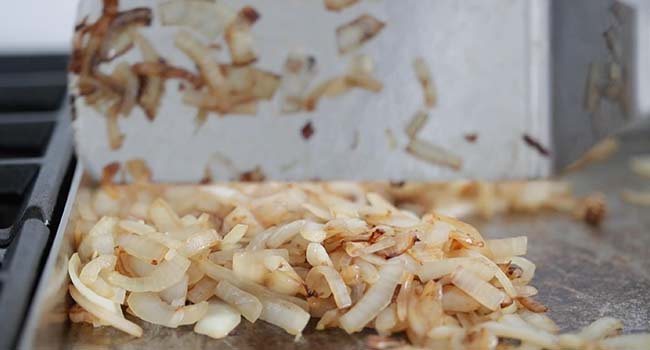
199 242
234 235
165 240
288 316
142 248
283 278
194 273
219 320
338 5
426 252
507 247
317 255
455 300
259 241
163 276
135 266
164 217
176 294
387 320
638 341
318 212
367 271
437 234
329 319
285 233
101 287
138 227
540 321
375 299
345 226
374 259
202 290
249 306
439 268
239 37
527 267
74 265
223 257
352 35
149 307
526 291
250 265
198 15
221 273
91 270
601 328
187 231
424 77
241 215
335 283
107 316
474 286
525 334
92 245
416 123
99 239
203 58
313 232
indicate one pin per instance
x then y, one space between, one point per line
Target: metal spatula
391 90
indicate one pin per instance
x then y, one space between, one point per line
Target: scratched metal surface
582 273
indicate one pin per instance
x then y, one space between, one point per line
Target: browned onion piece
433 154
352 35
338 5
239 37
117 31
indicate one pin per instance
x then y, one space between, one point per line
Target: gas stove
36 166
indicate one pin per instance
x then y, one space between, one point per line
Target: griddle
583 273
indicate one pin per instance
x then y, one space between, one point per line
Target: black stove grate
36 165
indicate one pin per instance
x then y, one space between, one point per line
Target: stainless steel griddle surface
582 273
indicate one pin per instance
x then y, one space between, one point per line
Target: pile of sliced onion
290 252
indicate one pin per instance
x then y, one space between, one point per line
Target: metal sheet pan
583 273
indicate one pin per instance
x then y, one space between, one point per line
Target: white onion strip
483 292
220 319
163 276
221 273
142 248
149 307
288 316
375 299
249 306
109 317
90 272
74 265
334 281
436 269
284 233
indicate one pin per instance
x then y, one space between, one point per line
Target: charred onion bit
471 138
536 145
255 175
307 131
